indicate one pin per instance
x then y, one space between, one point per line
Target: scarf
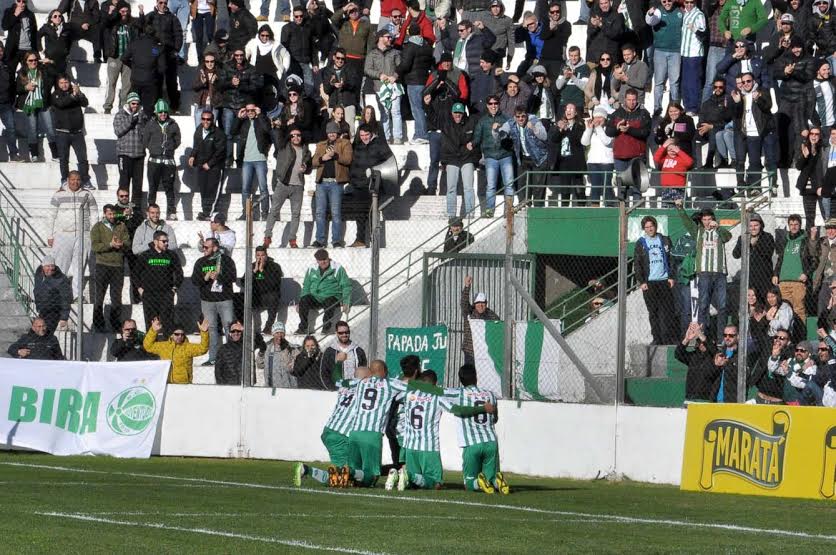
419 40
34 98
603 79
460 54
264 48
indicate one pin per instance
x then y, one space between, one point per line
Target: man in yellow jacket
177 349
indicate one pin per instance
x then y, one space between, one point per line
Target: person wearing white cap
278 361
478 311
53 295
599 158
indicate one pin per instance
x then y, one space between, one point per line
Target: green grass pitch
167 505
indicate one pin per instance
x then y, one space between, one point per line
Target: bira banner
81 408
428 343
782 451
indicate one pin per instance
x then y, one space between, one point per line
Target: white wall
542 439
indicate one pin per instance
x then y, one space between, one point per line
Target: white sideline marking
205 531
521 508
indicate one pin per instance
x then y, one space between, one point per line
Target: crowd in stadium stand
300 97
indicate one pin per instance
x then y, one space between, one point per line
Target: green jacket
333 282
484 137
735 18
100 237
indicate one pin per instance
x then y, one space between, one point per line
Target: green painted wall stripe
495 339
533 352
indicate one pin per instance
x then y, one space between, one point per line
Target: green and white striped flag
536 358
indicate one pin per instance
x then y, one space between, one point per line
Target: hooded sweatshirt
355 357
740 14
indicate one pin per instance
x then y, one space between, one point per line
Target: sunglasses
165 241
209 62
550 11
292 94
265 35
125 330
339 58
343 333
352 11
823 349
747 81
801 350
729 335
178 333
462 30
236 331
206 248
397 16
780 338
205 119
739 45
56 16
607 59
295 136
719 87
32 61
493 103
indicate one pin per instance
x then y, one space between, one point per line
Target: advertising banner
82 408
775 450
428 343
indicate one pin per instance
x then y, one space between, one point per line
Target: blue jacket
535 139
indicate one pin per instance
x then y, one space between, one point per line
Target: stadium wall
541 439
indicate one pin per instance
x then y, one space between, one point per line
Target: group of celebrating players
353 435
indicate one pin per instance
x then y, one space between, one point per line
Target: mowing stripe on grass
205 531
498 506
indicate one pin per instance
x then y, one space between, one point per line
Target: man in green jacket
326 286
741 19
498 158
110 241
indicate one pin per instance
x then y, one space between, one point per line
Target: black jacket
13 27
457 243
821 32
416 63
554 40
770 383
169 32
701 373
641 260
685 139
367 156
228 363
130 351
7 91
267 284
56 47
42 347
112 23
247 90
158 273
307 370
717 111
286 159
454 137
225 279
761 112
144 57
53 293
348 95
211 150
298 40
80 11
576 160
760 262
810 175
263 134
605 38
68 110
242 27
793 86
728 377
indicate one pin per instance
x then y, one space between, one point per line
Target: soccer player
477 437
410 369
423 406
334 437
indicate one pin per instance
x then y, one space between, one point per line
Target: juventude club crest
130 412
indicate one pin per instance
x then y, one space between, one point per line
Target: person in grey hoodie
381 66
128 124
144 234
503 29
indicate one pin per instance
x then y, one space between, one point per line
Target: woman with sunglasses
206 85
599 88
270 59
33 91
298 111
56 38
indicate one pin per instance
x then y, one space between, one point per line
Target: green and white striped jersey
370 407
341 419
422 415
473 430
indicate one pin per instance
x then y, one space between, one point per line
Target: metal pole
79 344
508 301
743 318
374 309
247 362
621 342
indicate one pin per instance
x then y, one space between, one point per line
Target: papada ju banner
81 408
429 343
782 451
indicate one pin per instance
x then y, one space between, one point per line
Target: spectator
125 213
529 137
499 161
207 158
324 33
724 389
213 275
478 310
332 159
700 363
761 248
416 15
717 43
144 234
823 105
543 100
629 126
502 28
677 125
599 157
692 54
447 86
299 111
242 25
158 276
555 35
633 73
271 61
653 274
203 14
7 106
21 30
812 162
207 87
599 86
220 231
325 286
353 35
768 377
683 257
794 265
129 126
170 34
369 150
754 128
567 134
162 139
715 117
219 48
674 163
470 45
741 20
759 336
342 358
338 117
341 86
57 39
484 83
110 241
456 239
413 69
387 7
182 10
36 344
267 294
516 95
709 264
666 23
824 250
148 66
604 31
229 362
129 347
240 84
67 232
573 78
179 350
33 100
307 365
798 373
457 153
293 162
83 18
742 59
297 38
381 67
66 107
53 295
120 30
796 70
779 315
279 360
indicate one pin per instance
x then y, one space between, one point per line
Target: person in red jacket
418 16
386 7
629 126
673 162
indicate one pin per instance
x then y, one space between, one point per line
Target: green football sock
317 474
